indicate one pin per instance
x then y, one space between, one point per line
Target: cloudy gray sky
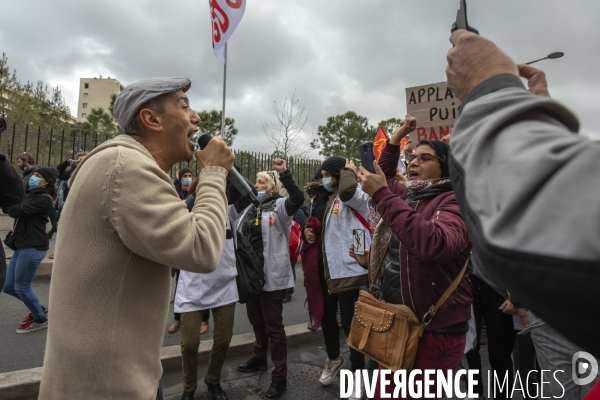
337 55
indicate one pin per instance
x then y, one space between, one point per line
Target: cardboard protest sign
436 109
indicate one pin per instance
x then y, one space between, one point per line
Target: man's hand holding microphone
215 154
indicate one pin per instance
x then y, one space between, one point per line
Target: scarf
310 267
427 189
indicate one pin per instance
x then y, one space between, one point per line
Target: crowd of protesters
477 214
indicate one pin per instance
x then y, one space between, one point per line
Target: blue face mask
261 195
34 182
327 183
187 181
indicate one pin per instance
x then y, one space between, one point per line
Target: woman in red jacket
428 248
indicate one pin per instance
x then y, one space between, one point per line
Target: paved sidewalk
305 364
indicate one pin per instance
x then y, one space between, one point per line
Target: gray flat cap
133 96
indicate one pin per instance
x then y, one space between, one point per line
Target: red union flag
225 15
379 143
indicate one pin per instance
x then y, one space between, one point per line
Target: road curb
25 384
45 268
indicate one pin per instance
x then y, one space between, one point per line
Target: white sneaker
331 370
355 394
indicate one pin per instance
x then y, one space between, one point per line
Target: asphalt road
27 351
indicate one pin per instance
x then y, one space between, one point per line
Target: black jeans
500 332
329 325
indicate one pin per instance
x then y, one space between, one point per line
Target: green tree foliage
28 102
389 125
342 135
100 121
111 107
210 122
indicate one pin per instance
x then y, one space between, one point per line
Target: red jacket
434 246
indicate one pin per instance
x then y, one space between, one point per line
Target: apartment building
96 93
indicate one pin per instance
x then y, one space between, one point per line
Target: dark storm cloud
337 55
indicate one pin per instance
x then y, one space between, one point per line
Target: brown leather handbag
389 333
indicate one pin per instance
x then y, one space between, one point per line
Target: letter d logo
584 362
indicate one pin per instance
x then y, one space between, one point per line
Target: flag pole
224 89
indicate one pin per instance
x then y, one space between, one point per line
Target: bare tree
286 133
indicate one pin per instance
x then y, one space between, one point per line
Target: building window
86 85
85 95
84 105
83 115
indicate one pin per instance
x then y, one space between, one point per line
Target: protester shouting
127 228
341 206
517 159
267 227
31 244
428 248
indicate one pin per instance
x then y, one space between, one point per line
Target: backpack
251 275
295 244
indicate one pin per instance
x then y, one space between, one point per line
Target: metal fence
51 146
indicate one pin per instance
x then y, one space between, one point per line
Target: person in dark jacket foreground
516 160
10 194
428 247
31 243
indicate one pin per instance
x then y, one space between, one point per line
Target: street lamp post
550 56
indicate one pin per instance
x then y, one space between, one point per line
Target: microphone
237 180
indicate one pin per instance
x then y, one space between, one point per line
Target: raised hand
279 165
407 125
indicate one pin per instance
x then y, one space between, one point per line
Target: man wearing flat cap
127 227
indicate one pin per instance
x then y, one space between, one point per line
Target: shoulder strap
362 220
433 309
15 224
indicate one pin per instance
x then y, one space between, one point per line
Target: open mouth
191 133
413 174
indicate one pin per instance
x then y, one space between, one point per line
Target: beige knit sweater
121 230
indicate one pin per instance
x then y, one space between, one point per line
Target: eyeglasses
423 157
273 174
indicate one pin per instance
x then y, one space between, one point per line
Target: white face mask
327 184
187 181
261 195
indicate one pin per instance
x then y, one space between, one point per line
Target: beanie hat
50 174
442 150
185 171
334 165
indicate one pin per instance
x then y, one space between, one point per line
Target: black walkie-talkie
461 19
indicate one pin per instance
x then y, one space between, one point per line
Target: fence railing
51 146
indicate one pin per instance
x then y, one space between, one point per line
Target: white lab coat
275 227
203 291
340 221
